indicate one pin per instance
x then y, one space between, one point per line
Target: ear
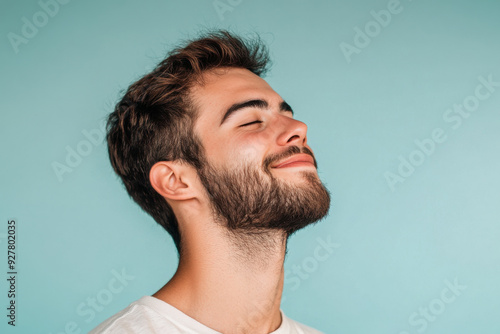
173 180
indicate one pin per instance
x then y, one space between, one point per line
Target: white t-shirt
152 315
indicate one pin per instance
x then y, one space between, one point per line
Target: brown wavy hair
154 119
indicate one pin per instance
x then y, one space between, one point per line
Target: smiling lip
295 161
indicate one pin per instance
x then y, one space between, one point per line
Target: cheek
259 145
248 152
244 148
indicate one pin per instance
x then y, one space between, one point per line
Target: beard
250 201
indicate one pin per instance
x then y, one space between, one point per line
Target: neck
230 282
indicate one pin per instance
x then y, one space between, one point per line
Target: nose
292 132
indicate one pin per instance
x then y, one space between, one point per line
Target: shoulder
138 317
151 315
296 327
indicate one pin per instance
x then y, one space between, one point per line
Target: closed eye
254 122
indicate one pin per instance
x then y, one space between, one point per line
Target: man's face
258 170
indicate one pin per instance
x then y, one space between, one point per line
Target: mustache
292 150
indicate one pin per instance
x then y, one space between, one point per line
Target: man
213 153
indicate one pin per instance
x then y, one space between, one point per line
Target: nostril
293 138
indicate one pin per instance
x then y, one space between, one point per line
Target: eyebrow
261 104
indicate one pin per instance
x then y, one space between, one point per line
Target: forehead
222 87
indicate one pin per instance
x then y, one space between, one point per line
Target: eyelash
254 122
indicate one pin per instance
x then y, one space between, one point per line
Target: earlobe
170 180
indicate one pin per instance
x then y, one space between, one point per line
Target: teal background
395 248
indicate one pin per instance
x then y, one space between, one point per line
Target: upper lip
302 157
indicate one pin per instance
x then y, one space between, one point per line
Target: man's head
205 107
